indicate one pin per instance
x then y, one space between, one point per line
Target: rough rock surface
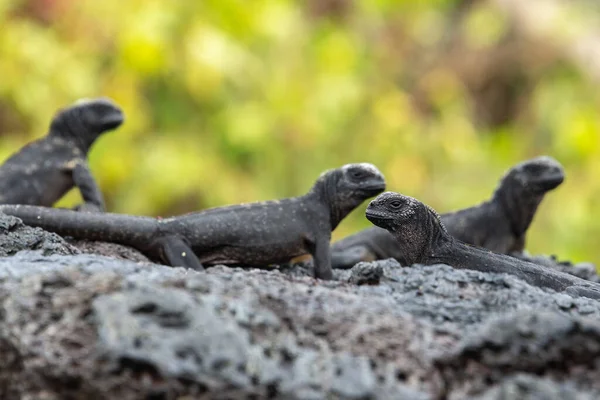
108 249
543 343
91 327
14 237
532 387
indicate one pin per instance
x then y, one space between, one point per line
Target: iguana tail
129 230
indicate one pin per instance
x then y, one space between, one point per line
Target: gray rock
15 237
109 249
542 343
120 329
459 298
87 326
366 274
531 387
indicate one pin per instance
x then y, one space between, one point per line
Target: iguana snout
390 207
539 174
100 114
364 179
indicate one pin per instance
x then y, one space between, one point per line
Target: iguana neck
325 193
72 129
420 237
518 206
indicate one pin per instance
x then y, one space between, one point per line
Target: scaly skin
421 234
44 170
254 234
499 224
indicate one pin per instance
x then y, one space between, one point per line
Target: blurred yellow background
233 101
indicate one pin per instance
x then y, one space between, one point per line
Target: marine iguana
44 170
251 234
499 224
424 239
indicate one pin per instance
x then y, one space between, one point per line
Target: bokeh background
232 101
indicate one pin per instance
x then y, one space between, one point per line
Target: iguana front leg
177 253
321 254
519 245
84 180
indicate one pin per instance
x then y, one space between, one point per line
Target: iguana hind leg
322 259
174 251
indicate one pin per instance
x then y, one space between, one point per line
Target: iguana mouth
377 216
112 121
550 183
374 189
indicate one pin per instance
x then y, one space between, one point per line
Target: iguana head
537 175
395 212
523 188
360 181
344 188
87 119
415 225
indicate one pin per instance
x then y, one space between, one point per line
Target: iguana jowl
249 234
424 240
44 170
499 224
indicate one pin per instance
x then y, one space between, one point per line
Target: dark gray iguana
252 234
423 239
499 224
44 170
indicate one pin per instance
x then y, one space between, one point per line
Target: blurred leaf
484 26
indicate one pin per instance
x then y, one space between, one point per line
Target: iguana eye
357 174
396 204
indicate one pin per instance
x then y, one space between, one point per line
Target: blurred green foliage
233 101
